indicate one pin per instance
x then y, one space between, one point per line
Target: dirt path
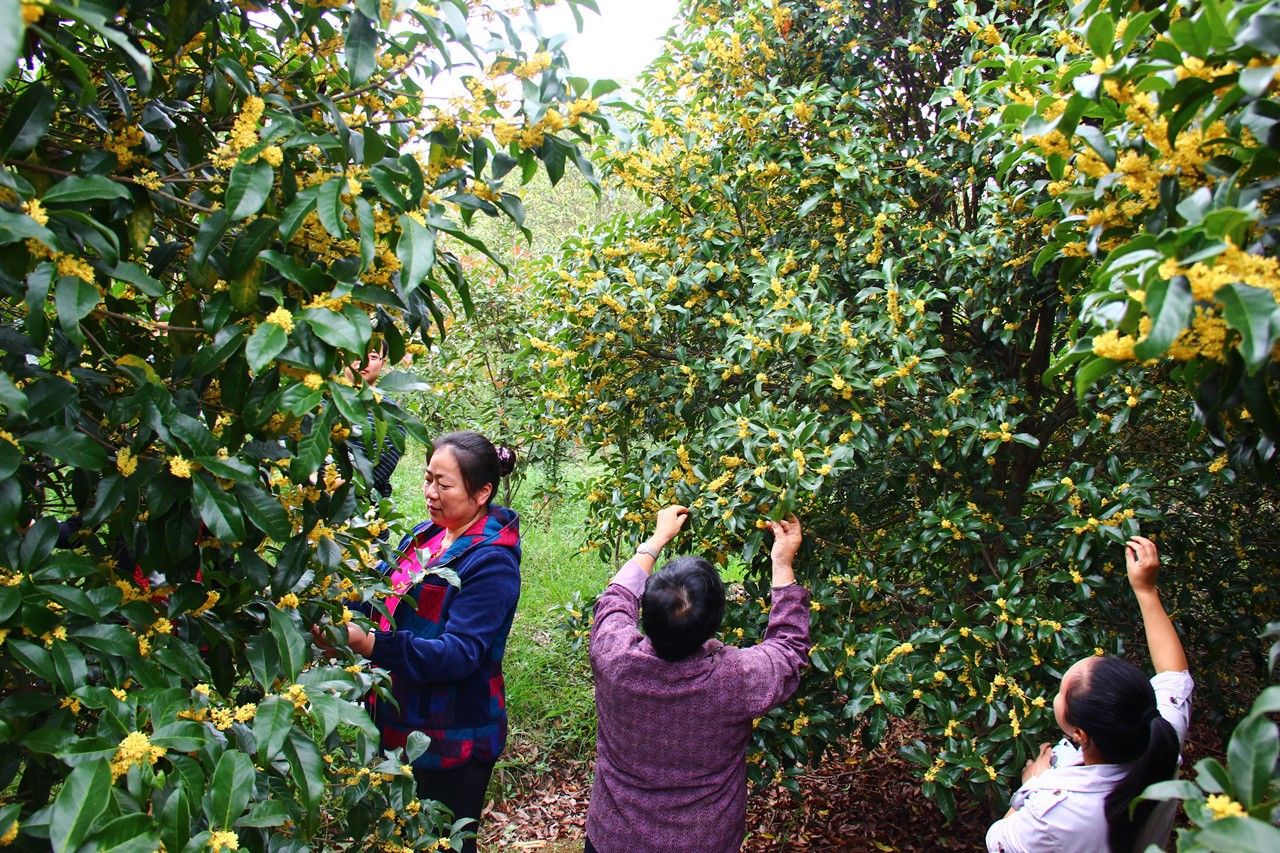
859 802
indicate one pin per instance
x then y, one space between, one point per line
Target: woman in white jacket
1125 733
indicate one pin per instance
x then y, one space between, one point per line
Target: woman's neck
451 534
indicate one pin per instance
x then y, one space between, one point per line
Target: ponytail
1158 763
1115 704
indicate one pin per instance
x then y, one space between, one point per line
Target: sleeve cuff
631 577
381 649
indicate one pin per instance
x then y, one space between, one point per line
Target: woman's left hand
1034 767
360 640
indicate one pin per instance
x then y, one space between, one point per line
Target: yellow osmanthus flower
180 467
297 694
223 839
1221 805
34 209
281 317
75 267
136 748
288 600
210 600
1111 344
126 462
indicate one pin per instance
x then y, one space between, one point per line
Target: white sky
616 44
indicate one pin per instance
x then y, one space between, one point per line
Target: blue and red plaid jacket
445 656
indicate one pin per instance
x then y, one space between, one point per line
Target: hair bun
506 459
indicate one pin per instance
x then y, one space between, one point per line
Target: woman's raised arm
1142 561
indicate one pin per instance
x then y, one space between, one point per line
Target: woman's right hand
670 520
786 540
1142 561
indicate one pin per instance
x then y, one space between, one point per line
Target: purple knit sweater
672 739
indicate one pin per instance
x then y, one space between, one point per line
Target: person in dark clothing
389 457
445 652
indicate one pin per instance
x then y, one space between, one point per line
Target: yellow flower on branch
136 748
1221 805
281 317
180 467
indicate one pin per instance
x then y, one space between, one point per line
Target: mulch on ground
859 801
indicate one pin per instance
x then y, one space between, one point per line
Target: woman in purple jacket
675 706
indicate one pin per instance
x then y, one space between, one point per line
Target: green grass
549 695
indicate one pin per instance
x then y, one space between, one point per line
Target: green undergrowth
549 696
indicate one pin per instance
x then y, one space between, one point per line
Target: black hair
682 607
481 462
1114 703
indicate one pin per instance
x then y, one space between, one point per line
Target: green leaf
1168 303
290 645
416 250
212 227
81 800
75 299
229 789
16 227
1179 789
76 189
329 206
11 36
66 445
266 342
1101 34
307 768
139 62
361 47
130 833
1248 310
416 745
271 725
265 814
1268 701
1090 372
264 511
1251 759
175 818
69 665
1238 835
248 188
28 120
218 509
349 330
108 639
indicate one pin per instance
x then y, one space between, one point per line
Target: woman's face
446 491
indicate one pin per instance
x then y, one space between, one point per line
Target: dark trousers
590 848
462 789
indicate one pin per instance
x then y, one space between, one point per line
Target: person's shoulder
1175 684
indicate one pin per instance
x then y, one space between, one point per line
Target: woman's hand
360 640
1142 561
1035 766
670 520
786 540
786 543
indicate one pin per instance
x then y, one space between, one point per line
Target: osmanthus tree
207 211
1151 127
833 307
